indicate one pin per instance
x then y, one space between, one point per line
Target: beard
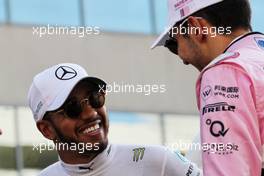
70 141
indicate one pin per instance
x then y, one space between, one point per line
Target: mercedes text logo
65 73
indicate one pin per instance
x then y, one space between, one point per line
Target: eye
73 108
97 99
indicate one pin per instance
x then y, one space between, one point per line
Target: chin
97 148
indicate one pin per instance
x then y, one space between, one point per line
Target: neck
217 45
73 157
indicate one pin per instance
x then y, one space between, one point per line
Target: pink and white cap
179 10
51 87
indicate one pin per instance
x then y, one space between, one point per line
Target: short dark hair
46 116
228 13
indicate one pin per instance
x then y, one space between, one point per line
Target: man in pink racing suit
230 88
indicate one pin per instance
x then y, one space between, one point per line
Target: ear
198 25
46 128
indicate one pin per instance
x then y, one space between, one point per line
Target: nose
88 112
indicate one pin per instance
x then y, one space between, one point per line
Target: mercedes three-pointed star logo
65 73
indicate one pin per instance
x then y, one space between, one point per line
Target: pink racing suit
230 98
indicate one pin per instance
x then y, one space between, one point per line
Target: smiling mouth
91 127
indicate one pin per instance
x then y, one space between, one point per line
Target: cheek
102 112
66 126
185 49
182 49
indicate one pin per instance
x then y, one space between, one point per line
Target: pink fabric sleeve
229 124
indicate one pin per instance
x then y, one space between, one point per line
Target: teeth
91 129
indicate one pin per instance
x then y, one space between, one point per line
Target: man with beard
68 107
215 36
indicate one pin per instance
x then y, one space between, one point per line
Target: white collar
101 160
227 54
236 39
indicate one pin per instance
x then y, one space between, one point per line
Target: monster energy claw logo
138 154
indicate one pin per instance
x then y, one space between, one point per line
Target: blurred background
119 53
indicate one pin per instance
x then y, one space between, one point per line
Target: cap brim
101 84
63 95
161 40
174 19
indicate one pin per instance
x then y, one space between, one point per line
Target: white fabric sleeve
178 165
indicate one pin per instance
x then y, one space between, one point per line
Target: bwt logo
207 92
222 106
